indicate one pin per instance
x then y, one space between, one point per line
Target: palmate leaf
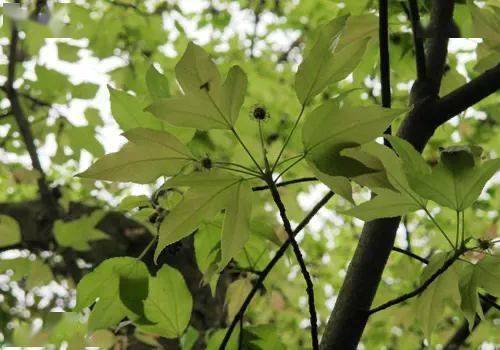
332 57
329 129
168 304
452 187
209 193
206 103
148 155
120 285
77 234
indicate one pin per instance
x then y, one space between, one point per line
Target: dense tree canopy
249 174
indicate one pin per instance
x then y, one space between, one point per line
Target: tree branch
24 126
300 259
423 287
277 256
418 41
385 70
411 255
285 183
467 95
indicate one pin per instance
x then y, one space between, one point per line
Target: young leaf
412 160
157 83
236 229
148 155
10 233
328 62
386 204
168 305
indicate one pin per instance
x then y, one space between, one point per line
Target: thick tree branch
277 256
467 95
24 126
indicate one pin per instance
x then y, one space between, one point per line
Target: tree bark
350 314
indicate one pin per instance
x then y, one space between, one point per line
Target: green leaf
196 110
338 184
107 283
431 302
84 91
206 103
157 83
234 90
128 112
131 202
198 204
195 69
469 303
36 272
328 61
488 274
386 204
10 232
149 155
235 296
236 228
411 158
169 303
77 234
329 129
67 52
454 189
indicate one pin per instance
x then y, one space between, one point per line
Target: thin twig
422 287
277 256
411 254
24 125
286 183
300 259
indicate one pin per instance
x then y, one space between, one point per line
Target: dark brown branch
257 13
285 183
24 126
284 56
385 70
411 255
467 95
422 287
418 41
300 259
277 256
